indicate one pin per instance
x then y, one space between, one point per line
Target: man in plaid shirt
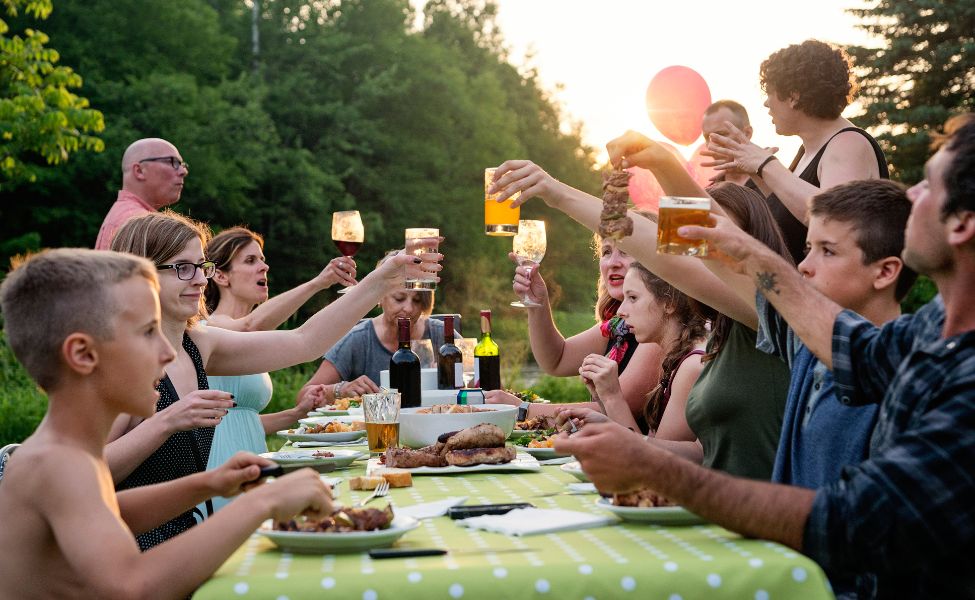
907 513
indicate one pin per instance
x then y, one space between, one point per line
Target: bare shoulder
849 144
205 337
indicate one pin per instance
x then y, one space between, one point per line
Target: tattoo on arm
766 283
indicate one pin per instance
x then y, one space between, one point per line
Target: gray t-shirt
360 352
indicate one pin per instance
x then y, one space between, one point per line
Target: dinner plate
324 420
575 469
327 543
297 435
326 412
342 458
521 463
520 434
543 453
661 515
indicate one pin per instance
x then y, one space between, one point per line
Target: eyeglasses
174 162
187 271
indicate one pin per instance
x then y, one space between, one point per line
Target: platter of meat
478 448
347 530
644 506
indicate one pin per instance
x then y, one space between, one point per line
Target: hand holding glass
529 245
499 217
676 211
347 233
381 412
420 241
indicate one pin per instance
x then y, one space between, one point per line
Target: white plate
326 412
662 515
328 543
342 458
521 463
543 453
326 420
297 435
575 469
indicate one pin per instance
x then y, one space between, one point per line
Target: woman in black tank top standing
807 85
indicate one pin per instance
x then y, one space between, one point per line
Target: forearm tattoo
766 283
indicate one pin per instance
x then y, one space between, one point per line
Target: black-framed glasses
173 161
187 271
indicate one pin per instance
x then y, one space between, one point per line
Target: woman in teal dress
237 298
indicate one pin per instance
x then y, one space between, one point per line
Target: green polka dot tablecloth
618 561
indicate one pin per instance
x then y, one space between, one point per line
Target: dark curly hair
819 75
960 175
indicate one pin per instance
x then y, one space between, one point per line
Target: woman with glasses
176 440
237 298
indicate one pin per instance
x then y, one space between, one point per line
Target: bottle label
458 374
477 372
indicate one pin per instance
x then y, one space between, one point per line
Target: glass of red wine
347 233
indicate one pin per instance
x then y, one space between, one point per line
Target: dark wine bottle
404 368
450 360
487 360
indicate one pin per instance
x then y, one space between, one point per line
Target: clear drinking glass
677 211
347 233
499 217
381 412
420 240
466 346
529 246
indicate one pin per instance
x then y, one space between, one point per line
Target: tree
39 116
922 72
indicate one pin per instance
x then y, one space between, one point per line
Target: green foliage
39 116
22 403
921 293
561 389
918 75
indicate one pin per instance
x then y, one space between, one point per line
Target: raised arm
236 353
685 273
278 309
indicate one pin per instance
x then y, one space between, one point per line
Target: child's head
56 293
652 308
855 239
167 238
240 251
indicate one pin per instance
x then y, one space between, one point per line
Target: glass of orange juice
499 217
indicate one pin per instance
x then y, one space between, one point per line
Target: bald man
714 122
152 177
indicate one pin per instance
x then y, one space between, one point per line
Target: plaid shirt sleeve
911 505
866 357
774 336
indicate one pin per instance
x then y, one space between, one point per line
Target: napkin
533 521
429 510
582 488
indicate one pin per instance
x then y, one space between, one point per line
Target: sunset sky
604 53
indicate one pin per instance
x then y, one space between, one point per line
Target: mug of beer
499 217
677 211
381 413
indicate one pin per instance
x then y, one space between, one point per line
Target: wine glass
347 233
529 247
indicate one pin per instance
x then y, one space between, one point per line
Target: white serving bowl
419 430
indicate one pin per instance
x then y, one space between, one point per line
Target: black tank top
184 453
793 230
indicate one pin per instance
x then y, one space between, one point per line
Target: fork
381 490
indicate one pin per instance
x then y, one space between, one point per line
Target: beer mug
381 412
677 211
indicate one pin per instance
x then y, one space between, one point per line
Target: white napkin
429 510
533 521
582 488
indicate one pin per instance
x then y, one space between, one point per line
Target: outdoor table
618 561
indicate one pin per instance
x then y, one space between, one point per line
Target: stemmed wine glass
529 247
347 233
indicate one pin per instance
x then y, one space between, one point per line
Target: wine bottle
404 368
487 362
450 360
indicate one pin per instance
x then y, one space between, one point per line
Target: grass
22 403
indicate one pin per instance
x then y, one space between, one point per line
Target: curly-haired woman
807 85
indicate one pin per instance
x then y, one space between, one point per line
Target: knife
412 552
277 470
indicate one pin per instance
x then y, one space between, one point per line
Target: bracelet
762 166
337 389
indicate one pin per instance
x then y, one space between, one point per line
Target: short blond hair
52 294
159 236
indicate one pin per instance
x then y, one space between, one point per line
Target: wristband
337 389
758 172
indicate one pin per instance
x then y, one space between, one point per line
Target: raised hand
395 270
633 149
526 177
534 288
602 374
340 269
200 408
735 152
